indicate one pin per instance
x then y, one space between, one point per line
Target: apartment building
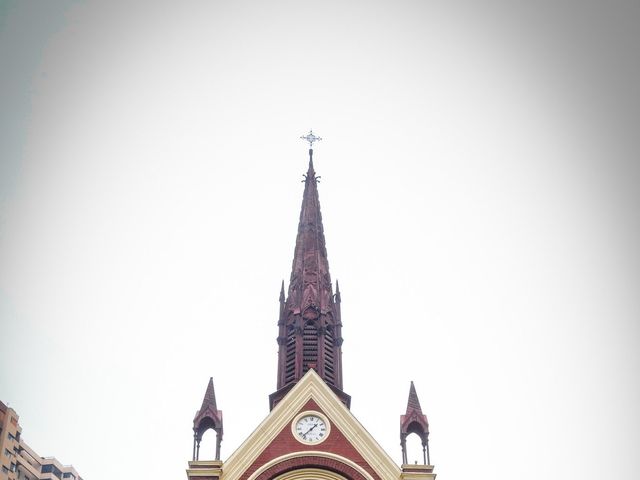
18 461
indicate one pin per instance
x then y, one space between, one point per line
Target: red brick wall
311 462
285 443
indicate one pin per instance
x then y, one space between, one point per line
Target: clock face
311 428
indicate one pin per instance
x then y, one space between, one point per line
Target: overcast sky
480 200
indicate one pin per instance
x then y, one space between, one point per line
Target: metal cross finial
310 138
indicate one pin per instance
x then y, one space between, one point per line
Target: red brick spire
309 327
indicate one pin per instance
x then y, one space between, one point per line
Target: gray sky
480 201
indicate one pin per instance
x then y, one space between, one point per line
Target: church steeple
310 432
310 329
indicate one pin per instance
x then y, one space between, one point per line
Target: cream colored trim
313 453
310 386
310 474
327 424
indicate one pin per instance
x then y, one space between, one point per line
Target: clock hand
304 435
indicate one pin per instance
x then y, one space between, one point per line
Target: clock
310 427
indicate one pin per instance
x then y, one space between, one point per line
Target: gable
273 449
285 447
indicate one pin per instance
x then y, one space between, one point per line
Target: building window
51 468
5 469
7 453
13 467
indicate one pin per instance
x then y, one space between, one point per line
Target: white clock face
311 428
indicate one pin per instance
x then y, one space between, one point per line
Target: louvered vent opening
290 369
329 362
309 347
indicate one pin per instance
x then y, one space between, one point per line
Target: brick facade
285 443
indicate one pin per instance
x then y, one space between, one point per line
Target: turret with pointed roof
310 328
414 421
208 417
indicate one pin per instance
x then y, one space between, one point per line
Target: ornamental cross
310 138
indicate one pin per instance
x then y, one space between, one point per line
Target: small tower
414 421
208 417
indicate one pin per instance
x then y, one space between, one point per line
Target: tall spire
310 329
310 284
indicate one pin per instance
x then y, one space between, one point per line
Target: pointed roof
208 416
310 283
414 421
209 399
413 403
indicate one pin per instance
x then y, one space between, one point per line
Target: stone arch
311 467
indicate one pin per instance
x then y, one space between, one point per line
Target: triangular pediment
274 440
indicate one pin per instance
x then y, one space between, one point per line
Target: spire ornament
310 137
